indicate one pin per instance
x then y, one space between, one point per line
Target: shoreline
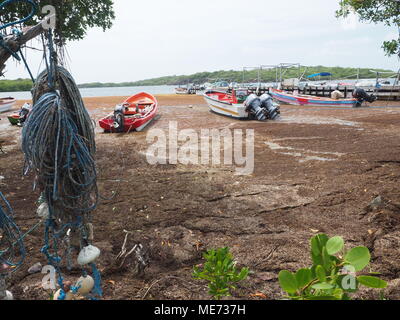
163 100
168 100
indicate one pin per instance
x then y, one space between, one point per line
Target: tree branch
16 42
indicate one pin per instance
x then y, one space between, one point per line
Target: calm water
129 91
103 92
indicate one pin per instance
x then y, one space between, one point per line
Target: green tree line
15 85
247 76
202 77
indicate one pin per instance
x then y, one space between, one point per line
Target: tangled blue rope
58 141
55 148
32 13
27 18
17 32
12 250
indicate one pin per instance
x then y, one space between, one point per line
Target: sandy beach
163 99
316 170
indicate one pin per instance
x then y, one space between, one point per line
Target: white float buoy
43 211
9 296
68 295
88 255
85 285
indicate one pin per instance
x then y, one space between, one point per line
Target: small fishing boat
14 119
18 119
6 104
181 91
219 86
189 89
241 105
311 101
134 114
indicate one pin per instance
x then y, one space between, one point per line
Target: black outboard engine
268 104
119 118
254 107
362 96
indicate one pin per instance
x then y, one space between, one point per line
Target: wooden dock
384 93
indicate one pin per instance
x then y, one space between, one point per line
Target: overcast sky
152 38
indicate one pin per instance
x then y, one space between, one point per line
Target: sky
154 38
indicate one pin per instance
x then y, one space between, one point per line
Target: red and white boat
6 104
311 101
227 104
138 111
241 105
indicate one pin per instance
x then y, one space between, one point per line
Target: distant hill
15 85
202 77
237 76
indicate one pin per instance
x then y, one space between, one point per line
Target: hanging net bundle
59 147
12 250
58 141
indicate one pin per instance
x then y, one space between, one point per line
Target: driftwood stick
15 42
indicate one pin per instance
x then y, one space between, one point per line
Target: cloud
165 37
391 35
350 23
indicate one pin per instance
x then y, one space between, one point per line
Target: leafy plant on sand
376 11
333 273
221 273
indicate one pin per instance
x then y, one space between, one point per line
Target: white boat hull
237 111
181 92
4 107
310 101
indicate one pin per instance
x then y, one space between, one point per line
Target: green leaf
338 293
372 282
315 246
303 277
322 240
316 258
320 272
318 242
288 281
334 245
323 286
243 274
358 257
326 260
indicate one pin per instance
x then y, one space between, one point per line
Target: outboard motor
254 107
23 114
362 96
271 107
119 118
